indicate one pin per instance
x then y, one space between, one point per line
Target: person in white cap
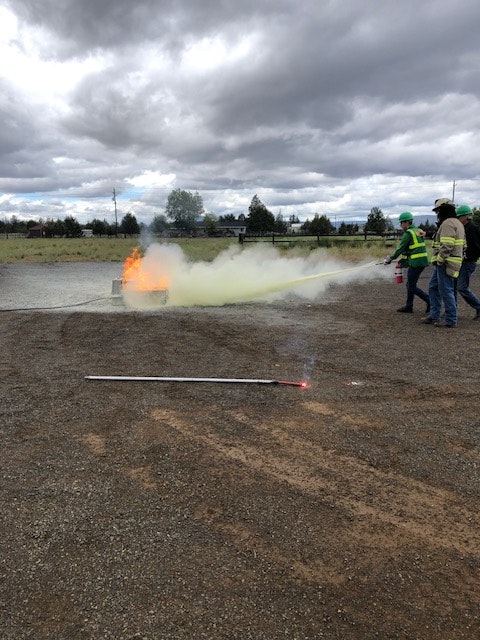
448 244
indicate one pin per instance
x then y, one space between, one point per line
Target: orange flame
137 278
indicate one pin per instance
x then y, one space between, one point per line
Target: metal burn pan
154 297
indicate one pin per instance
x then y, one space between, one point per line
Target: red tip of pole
303 385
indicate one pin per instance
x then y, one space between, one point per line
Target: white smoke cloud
238 276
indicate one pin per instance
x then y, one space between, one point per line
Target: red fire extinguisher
398 274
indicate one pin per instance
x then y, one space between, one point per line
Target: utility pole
453 192
115 203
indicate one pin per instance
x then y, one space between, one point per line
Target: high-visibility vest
417 250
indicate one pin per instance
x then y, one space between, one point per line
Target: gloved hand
453 273
387 261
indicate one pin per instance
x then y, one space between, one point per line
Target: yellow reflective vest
413 249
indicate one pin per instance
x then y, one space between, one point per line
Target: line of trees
183 210
128 226
69 227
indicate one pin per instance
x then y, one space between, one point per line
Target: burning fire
136 277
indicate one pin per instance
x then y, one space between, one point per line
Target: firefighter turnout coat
448 245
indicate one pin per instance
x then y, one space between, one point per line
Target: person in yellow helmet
413 254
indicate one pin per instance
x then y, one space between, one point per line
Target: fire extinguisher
398 274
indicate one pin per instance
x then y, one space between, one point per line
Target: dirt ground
350 509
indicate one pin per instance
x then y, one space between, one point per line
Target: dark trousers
413 274
463 284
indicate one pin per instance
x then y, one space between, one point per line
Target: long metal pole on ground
221 380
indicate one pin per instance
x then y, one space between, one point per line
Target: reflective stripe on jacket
411 249
448 245
417 250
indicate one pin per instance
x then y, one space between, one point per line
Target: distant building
295 227
37 231
228 228
232 227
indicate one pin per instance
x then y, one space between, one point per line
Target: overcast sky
316 106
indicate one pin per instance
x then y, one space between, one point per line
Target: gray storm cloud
369 100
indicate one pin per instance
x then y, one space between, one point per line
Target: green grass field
16 249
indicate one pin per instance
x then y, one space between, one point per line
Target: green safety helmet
464 210
406 216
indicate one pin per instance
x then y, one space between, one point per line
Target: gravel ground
196 510
84 286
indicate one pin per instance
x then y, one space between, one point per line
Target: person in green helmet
470 257
413 254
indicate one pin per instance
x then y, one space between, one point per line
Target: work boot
443 325
405 310
477 315
429 320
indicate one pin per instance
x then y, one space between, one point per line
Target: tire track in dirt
244 537
414 510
